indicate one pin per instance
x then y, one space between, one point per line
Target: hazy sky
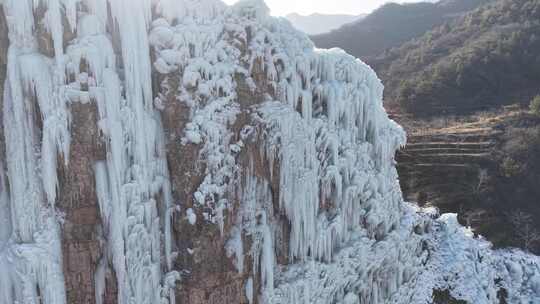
305 7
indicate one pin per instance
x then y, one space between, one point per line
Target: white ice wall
133 182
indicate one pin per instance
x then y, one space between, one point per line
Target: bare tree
482 180
524 229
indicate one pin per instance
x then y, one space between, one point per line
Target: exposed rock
78 201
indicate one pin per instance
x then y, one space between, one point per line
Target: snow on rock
472 271
191 216
295 149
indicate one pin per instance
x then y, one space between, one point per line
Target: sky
306 7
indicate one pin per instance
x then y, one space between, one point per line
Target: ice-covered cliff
162 151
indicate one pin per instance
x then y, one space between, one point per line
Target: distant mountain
488 57
392 25
320 23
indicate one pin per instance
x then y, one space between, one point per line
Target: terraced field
446 167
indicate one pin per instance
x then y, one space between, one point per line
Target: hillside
391 25
488 57
315 24
483 166
483 163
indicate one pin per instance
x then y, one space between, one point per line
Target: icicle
268 255
249 290
99 281
27 200
235 249
136 171
5 219
53 22
98 8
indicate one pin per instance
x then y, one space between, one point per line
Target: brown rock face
81 244
209 274
184 166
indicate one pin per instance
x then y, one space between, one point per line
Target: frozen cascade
295 149
133 186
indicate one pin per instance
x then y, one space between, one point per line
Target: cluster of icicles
129 181
319 118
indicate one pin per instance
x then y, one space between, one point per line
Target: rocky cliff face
191 152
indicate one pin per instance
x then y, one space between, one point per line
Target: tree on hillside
485 58
524 229
535 105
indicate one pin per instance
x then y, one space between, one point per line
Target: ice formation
297 151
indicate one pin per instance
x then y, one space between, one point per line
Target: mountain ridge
318 23
391 25
480 60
